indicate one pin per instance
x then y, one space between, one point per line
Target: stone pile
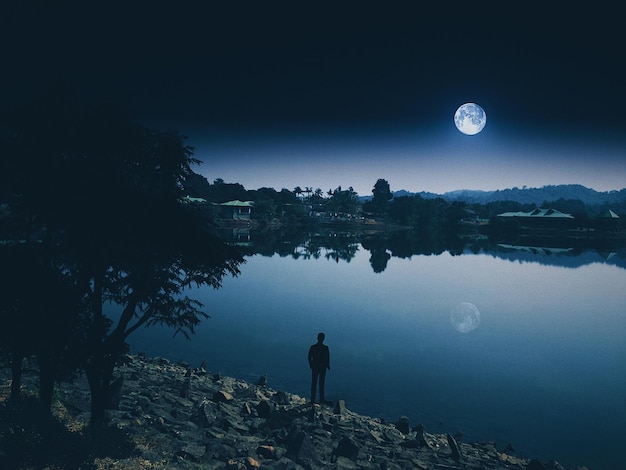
181 417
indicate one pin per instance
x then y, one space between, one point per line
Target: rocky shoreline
176 416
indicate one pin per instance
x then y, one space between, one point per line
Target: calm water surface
545 369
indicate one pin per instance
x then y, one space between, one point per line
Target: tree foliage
382 195
343 201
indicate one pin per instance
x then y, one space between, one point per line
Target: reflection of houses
609 215
540 218
237 210
538 250
237 235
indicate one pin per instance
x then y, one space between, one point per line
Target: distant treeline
427 213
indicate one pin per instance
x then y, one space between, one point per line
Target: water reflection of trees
332 246
344 245
382 246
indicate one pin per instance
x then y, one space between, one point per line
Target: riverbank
173 416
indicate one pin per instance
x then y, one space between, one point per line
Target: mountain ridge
527 195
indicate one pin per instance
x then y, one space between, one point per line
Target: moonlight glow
470 118
465 317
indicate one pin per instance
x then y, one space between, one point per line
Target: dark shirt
319 357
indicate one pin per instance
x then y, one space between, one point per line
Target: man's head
320 337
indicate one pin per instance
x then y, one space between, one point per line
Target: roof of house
237 203
538 214
537 250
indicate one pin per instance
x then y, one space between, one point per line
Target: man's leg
314 374
322 382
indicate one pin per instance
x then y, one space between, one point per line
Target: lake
544 368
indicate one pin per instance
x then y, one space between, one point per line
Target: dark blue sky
324 95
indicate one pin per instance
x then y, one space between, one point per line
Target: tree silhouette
105 194
382 195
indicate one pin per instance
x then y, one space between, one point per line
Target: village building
540 218
537 214
237 210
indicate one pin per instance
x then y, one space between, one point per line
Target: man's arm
311 357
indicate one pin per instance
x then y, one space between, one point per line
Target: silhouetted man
319 361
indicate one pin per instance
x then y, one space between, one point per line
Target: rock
403 425
193 451
419 436
144 403
267 452
252 463
264 409
340 407
347 448
231 424
185 389
281 398
411 444
344 463
454 447
224 452
222 396
245 409
201 371
233 464
205 415
262 381
377 435
302 448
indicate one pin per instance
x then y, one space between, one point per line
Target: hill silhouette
527 195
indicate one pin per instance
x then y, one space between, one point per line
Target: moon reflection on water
465 317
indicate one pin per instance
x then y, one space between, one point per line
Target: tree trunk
99 375
16 374
47 375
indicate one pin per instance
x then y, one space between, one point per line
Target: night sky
321 95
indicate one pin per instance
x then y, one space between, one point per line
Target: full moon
465 317
470 118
